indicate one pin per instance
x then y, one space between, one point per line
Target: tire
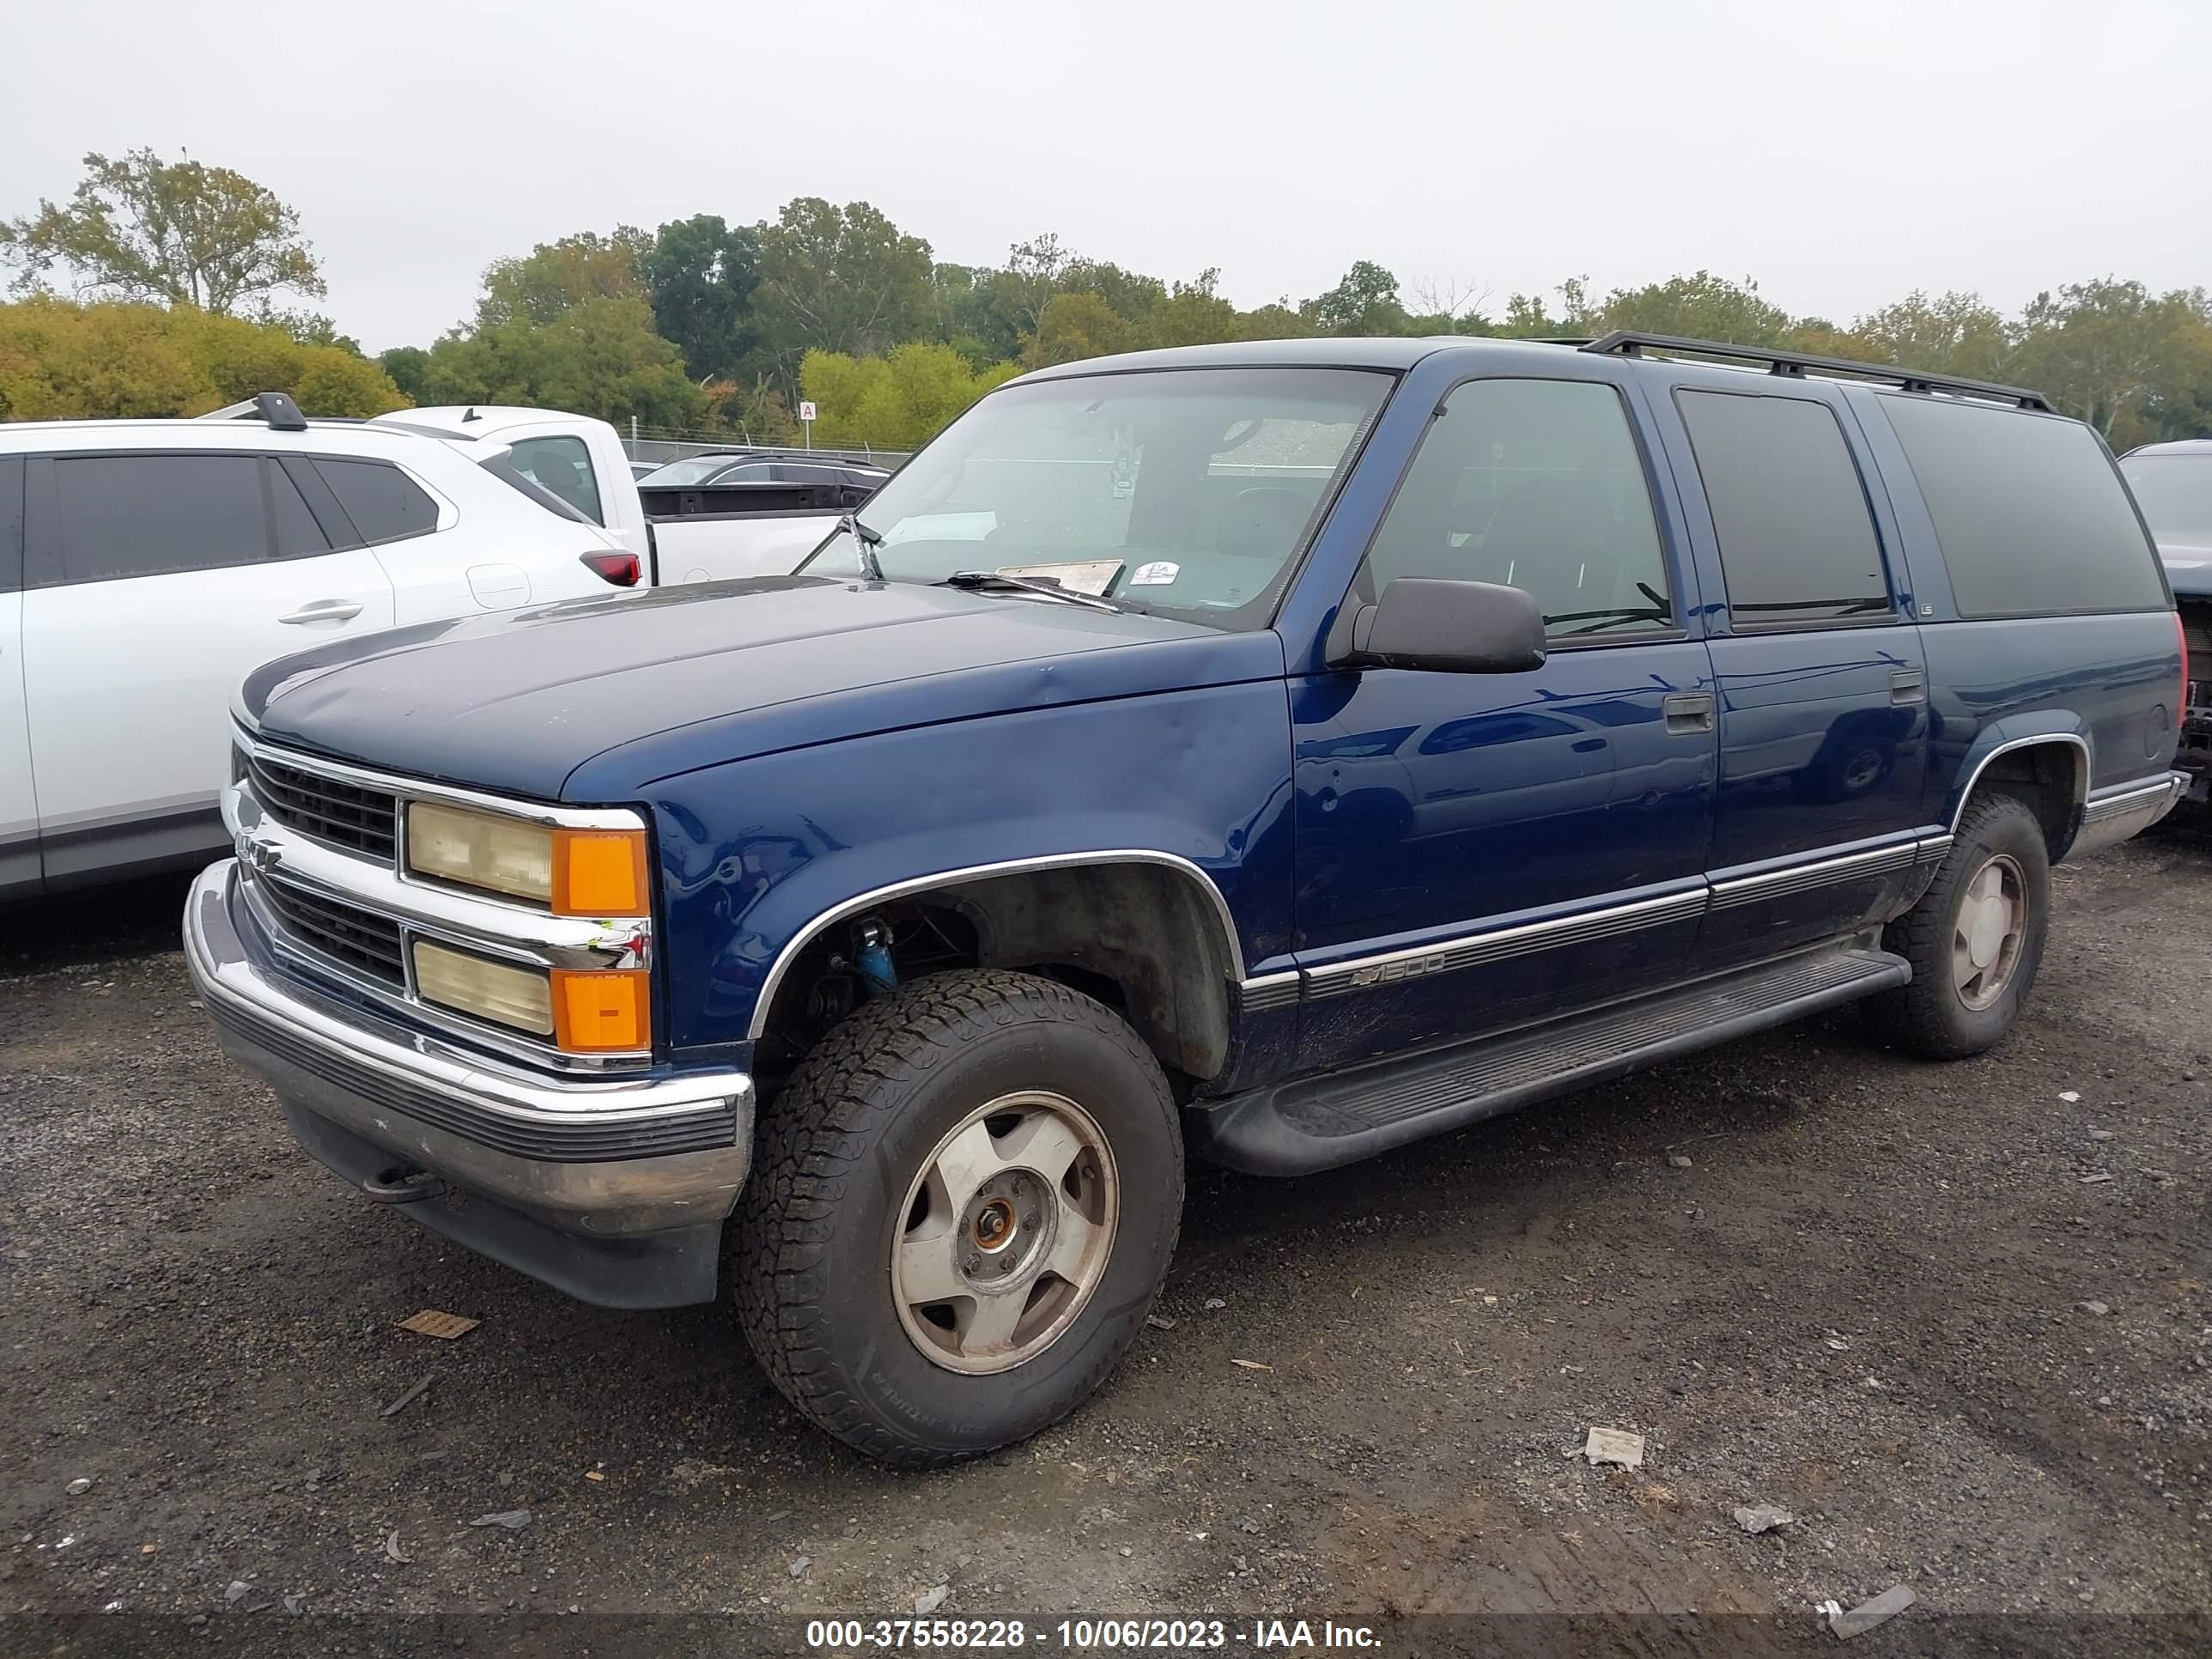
853 1187
1936 1015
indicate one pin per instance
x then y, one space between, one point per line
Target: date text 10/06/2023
1089 1635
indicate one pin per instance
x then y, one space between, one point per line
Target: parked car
145 566
746 466
2173 484
700 533
1275 753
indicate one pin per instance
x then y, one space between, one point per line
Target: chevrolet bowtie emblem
258 856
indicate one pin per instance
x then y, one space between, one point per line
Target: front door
156 582
1823 689
1477 850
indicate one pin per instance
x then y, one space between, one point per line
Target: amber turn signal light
600 872
599 1013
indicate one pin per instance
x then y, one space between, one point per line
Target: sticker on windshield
1159 574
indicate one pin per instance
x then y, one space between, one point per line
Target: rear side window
1535 485
11 523
155 515
2032 519
562 467
384 504
1798 541
298 535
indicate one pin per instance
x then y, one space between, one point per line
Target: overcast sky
1840 154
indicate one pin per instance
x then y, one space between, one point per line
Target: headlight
518 997
572 872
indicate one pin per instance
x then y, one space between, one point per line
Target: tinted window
384 503
11 523
298 535
151 515
2175 494
1536 484
562 467
2032 518
1797 543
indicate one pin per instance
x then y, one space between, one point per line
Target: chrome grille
362 940
361 820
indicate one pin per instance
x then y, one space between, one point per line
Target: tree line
179 273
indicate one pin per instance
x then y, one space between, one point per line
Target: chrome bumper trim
626 1156
2113 816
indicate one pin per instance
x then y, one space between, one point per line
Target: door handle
1908 685
1687 713
317 610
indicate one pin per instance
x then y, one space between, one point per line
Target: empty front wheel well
1148 941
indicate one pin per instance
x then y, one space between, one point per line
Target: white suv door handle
317 610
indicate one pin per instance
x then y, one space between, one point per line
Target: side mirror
1453 627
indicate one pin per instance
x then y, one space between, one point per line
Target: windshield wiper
1612 617
991 579
868 541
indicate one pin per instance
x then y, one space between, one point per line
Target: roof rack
274 407
1793 365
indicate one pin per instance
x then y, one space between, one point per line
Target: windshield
1187 491
697 469
2175 494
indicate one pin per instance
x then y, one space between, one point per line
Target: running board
1341 1117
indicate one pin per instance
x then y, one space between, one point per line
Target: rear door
19 801
156 579
1477 850
1818 664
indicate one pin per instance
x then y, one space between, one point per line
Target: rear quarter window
384 504
2029 510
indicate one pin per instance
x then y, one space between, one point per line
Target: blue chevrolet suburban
1272 753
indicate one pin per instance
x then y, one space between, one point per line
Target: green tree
1702 307
840 280
409 367
598 357
179 233
1075 326
2114 353
1952 333
554 276
899 401
1365 302
111 359
701 273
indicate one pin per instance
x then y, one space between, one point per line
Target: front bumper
613 1191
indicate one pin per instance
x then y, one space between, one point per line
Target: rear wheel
1974 940
965 1203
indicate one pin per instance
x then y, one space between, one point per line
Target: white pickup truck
694 533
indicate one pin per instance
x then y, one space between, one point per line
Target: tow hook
397 1186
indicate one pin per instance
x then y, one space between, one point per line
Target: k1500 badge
1383 973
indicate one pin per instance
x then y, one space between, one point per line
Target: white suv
147 566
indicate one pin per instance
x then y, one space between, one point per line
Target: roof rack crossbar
1793 365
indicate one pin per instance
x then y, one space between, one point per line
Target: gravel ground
1955 1319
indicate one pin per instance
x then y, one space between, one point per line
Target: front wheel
964 1204
1974 940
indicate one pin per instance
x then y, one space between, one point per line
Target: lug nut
1029 1221
972 1263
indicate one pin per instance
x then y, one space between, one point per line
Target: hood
644 686
2188 569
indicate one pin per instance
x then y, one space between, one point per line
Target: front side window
2175 494
383 502
118 516
1796 536
1185 492
562 467
1535 485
